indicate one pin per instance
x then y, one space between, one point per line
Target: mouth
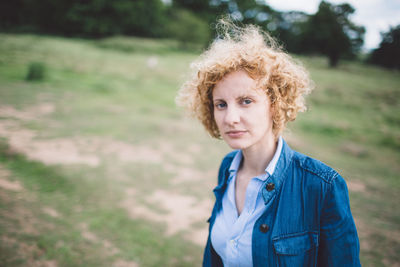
236 133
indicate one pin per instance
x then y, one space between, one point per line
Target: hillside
99 168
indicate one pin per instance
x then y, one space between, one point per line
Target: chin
236 144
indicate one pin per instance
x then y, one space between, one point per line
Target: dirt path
181 212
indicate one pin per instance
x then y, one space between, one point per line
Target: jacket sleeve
339 245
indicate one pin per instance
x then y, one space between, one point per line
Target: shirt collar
236 162
272 164
270 167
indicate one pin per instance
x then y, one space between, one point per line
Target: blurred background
98 167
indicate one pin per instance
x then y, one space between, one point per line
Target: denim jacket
307 220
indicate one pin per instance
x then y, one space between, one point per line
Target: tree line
328 32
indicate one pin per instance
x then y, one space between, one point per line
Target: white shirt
231 234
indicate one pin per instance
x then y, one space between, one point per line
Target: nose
232 115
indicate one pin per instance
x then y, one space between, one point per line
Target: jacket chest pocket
298 249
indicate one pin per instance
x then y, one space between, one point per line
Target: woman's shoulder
316 176
315 167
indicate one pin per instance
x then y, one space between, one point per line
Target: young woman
274 206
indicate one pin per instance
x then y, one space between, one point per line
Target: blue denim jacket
307 220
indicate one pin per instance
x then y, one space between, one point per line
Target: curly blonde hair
254 51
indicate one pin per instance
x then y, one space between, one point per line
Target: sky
375 15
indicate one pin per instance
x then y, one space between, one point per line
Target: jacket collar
279 174
276 178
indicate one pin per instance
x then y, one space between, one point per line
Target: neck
256 159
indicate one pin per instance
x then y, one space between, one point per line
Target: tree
330 32
388 52
242 10
187 28
9 15
208 11
288 27
98 18
90 18
34 16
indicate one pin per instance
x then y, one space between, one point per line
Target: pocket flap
296 243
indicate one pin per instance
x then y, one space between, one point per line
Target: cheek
264 119
269 113
263 114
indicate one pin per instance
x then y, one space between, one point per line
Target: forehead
236 83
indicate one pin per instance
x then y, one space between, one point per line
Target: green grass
35 175
106 90
137 240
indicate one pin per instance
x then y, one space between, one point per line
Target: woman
274 206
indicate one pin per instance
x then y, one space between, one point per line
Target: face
242 112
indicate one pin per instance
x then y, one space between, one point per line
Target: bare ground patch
10 186
170 151
185 174
123 263
356 186
65 150
6 184
51 212
30 113
77 150
181 212
108 247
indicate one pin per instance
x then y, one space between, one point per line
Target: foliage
102 18
94 18
188 29
330 32
388 53
36 71
201 7
9 17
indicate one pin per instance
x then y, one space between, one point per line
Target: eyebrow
246 96
238 97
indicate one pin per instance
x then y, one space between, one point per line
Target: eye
246 101
220 105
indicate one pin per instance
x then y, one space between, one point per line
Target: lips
235 133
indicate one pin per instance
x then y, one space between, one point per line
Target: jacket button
270 186
264 228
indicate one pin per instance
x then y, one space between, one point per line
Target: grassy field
99 168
